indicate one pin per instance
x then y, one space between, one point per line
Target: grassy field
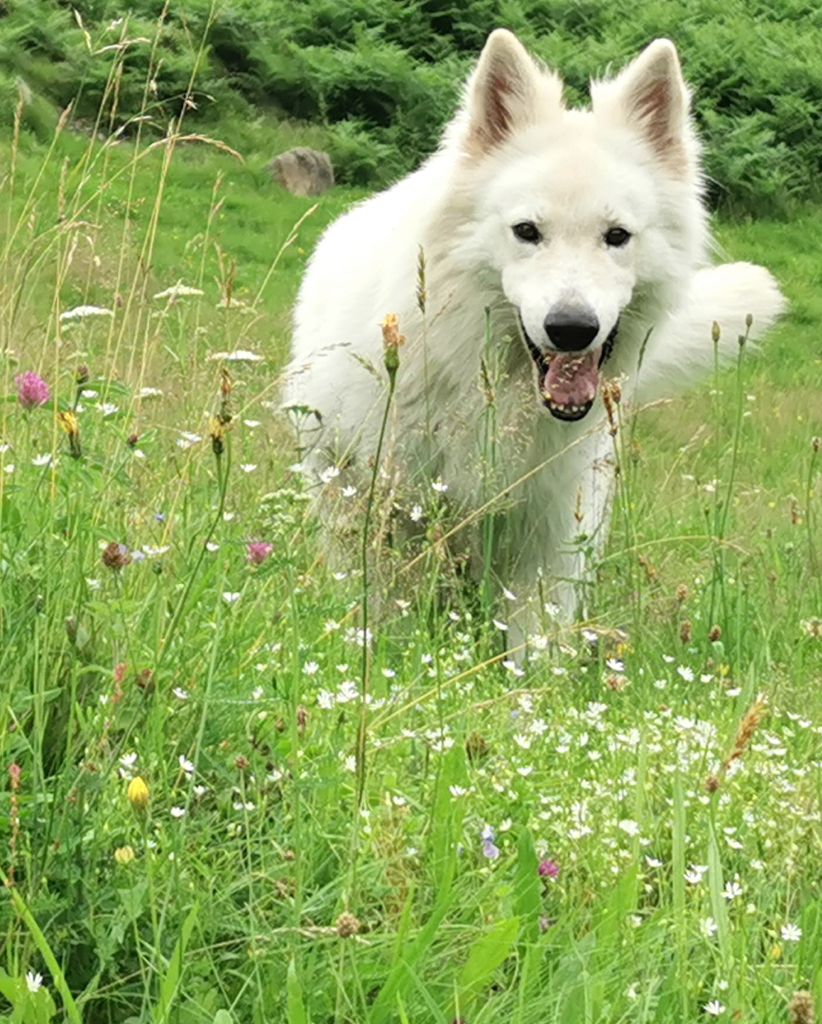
624 829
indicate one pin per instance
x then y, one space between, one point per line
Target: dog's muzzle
568 381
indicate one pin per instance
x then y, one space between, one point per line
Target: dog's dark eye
527 231
617 237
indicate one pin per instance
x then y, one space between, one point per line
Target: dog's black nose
571 329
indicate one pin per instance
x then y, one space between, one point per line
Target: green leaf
401 976
168 989
446 816
294 996
527 894
487 954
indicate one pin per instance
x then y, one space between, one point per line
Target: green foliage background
383 75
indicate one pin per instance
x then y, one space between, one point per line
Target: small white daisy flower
34 982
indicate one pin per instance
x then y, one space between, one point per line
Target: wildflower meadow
244 781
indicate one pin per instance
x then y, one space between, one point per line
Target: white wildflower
239 355
34 981
82 312
178 291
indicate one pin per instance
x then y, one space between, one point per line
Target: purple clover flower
548 869
32 390
258 551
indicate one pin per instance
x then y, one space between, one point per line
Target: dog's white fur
514 153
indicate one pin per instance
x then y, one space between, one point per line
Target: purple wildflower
489 850
548 869
32 390
258 551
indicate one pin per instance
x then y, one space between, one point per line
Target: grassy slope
273 850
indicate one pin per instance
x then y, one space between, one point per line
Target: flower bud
138 794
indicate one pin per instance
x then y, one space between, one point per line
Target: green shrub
383 76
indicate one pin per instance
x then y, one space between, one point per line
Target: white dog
562 248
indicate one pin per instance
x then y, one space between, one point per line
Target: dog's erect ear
651 95
507 92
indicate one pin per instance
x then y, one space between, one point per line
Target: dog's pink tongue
571 379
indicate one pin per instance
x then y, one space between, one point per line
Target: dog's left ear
508 91
651 95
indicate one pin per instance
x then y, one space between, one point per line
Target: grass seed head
476 747
611 397
217 432
747 727
116 556
801 1008
391 342
347 926
422 294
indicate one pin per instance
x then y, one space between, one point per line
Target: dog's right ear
507 92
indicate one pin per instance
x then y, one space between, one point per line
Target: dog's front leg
554 539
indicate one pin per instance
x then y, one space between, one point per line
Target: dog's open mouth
568 382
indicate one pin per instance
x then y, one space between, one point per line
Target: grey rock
303 171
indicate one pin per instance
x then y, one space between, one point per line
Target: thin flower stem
364 672
223 466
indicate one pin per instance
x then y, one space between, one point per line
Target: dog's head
578 211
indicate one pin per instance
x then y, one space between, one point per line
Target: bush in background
382 76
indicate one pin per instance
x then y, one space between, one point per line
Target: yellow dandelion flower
68 422
138 793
